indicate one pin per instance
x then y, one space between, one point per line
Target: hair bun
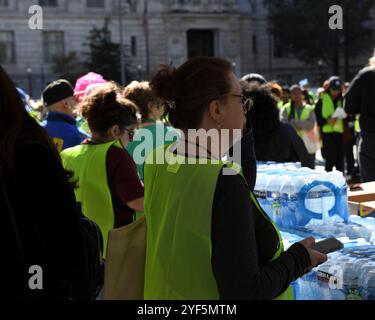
109 97
103 99
166 84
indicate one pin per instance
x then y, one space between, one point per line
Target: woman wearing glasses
108 184
207 237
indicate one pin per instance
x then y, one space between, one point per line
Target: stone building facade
154 31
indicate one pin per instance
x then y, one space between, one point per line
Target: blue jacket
62 128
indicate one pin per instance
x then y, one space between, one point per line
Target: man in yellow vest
301 116
330 115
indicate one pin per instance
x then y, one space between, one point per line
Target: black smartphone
328 245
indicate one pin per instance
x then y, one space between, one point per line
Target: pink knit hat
85 81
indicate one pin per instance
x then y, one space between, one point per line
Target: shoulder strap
12 217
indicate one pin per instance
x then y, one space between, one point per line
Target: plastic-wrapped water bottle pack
298 197
309 202
347 275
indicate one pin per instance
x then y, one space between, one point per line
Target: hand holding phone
328 246
316 257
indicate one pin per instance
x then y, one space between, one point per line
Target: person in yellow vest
286 95
300 115
277 92
330 120
207 236
108 184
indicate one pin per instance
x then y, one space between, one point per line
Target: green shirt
148 139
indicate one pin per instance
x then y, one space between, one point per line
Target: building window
48 3
131 5
133 46
53 45
254 6
280 50
95 3
7 47
255 44
201 43
4 3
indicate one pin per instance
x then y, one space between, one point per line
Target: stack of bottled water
297 198
347 275
305 202
367 223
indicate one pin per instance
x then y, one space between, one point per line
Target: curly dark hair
265 115
106 107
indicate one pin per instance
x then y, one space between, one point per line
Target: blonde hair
372 60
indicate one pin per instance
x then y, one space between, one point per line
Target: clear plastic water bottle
260 189
266 203
350 281
323 280
299 182
288 202
369 285
338 179
273 199
363 279
307 287
358 231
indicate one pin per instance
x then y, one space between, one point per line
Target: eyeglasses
131 133
247 102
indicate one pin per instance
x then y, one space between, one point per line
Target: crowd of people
292 124
207 236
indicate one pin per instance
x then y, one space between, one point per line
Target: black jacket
360 99
45 211
281 145
244 243
273 140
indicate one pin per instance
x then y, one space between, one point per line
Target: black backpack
91 279
91 282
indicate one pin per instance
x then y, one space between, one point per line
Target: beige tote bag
125 263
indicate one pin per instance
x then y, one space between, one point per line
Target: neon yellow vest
305 114
88 163
312 96
178 205
357 125
328 109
